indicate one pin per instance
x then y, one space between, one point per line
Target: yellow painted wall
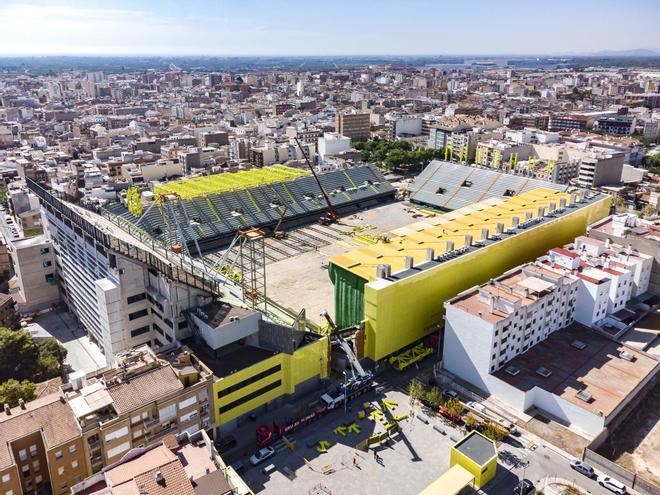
482 473
305 363
397 314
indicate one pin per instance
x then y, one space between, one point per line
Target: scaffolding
252 266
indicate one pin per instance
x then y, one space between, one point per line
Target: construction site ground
635 444
297 266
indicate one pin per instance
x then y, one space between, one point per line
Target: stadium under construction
396 289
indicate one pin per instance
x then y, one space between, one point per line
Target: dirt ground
557 435
635 445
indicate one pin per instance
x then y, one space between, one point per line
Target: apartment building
505 317
41 449
182 464
600 169
519 337
616 124
571 122
501 154
143 398
55 442
355 126
36 273
632 233
533 120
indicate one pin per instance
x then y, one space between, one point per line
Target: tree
416 390
648 211
13 390
18 354
434 398
453 407
620 203
51 359
493 433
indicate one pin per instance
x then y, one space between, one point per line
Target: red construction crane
331 216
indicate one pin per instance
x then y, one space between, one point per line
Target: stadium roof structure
209 211
414 239
451 186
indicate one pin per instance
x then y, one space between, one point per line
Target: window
138 418
188 417
74 464
46 263
137 434
33 450
35 466
22 454
188 402
60 470
118 449
167 412
250 396
50 278
45 250
9 492
140 331
38 479
63 485
136 298
121 432
58 454
72 449
26 471
6 478
137 314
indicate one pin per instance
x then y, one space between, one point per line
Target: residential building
9 317
178 465
354 126
137 402
332 143
570 122
531 120
616 124
36 272
600 169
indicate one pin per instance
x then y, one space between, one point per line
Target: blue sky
330 27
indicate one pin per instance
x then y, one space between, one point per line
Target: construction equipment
332 215
277 233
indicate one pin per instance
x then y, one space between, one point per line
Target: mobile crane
332 215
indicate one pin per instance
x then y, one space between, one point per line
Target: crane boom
332 213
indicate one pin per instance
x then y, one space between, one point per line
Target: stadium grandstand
451 186
203 214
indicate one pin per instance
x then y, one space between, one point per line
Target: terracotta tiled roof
143 389
175 481
38 414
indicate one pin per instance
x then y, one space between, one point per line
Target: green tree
648 210
434 398
51 359
18 353
13 390
493 433
620 203
454 407
3 196
416 390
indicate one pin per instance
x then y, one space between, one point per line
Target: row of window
139 331
250 396
248 381
136 298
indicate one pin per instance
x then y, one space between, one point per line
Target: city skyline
72 27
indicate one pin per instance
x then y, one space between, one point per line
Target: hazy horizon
296 28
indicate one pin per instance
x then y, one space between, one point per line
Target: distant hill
638 52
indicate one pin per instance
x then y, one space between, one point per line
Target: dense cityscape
330 274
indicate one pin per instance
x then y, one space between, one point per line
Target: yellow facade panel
399 313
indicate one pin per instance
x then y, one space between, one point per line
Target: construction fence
629 478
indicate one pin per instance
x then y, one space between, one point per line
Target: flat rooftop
597 369
477 447
233 357
641 229
414 239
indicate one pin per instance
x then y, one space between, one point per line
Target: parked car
524 487
450 394
261 455
238 466
612 485
582 467
477 406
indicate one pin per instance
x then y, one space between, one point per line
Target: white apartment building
518 336
332 143
488 326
